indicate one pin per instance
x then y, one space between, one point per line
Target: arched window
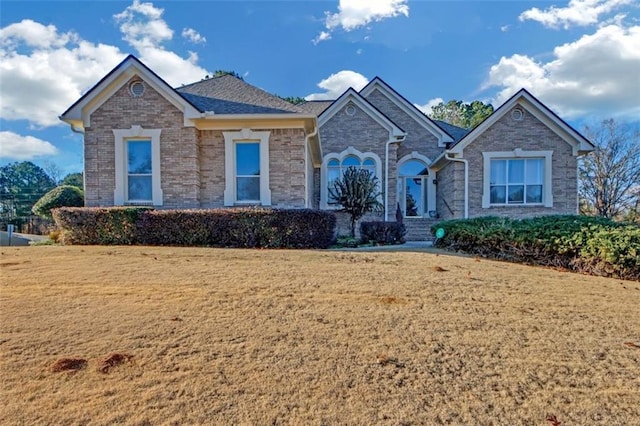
413 179
335 165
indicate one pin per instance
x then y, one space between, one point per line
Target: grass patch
309 337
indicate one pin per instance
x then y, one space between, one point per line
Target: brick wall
418 138
529 134
212 180
450 191
286 167
364 134
178 147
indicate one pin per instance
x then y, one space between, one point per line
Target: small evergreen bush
61 196
383 233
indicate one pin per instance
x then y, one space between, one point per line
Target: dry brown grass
312 337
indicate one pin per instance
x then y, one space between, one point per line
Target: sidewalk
18 239
408 246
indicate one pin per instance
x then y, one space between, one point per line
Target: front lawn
166 335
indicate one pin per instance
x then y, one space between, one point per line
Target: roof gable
408 108
531 104
78 115
350 95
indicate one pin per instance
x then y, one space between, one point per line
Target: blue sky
582 58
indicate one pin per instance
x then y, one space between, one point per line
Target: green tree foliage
62 196
357 193
296 100
610 175
74 179
220 73
21 185
458 113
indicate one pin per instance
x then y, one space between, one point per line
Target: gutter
466 181
386 174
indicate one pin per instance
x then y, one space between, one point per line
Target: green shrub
61 196
241 227
586 244
384 233
98 225
612 252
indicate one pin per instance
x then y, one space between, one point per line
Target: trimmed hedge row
586 244
382 233
238 227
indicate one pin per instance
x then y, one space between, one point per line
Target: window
516 181
413 179
139 171
137 166
247 168
334 166
248 171
335 169
517 178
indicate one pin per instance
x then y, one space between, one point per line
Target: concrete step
419 229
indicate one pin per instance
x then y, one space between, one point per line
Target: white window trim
429 178
351 151
245 135
547 193
136 133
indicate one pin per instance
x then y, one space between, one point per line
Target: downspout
386 175
81 132
466 181
306 166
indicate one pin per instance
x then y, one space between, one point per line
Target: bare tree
53 170
610 176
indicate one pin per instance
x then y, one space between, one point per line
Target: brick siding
529 134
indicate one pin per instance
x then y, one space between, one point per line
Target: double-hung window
139 171
517 178
246 168
517 181
247 163
137 167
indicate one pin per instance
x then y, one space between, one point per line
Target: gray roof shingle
315 107
227 94
457 133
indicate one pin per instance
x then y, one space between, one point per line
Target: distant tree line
22 184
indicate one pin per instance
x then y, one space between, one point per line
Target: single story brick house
221 142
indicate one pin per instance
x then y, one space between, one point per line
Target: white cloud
354 14
142 25
428 107
193 36
578 12
40 79
504 28
144 29
596 74
324 35
337 83
17 147
44 70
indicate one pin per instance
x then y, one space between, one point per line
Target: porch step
419 229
